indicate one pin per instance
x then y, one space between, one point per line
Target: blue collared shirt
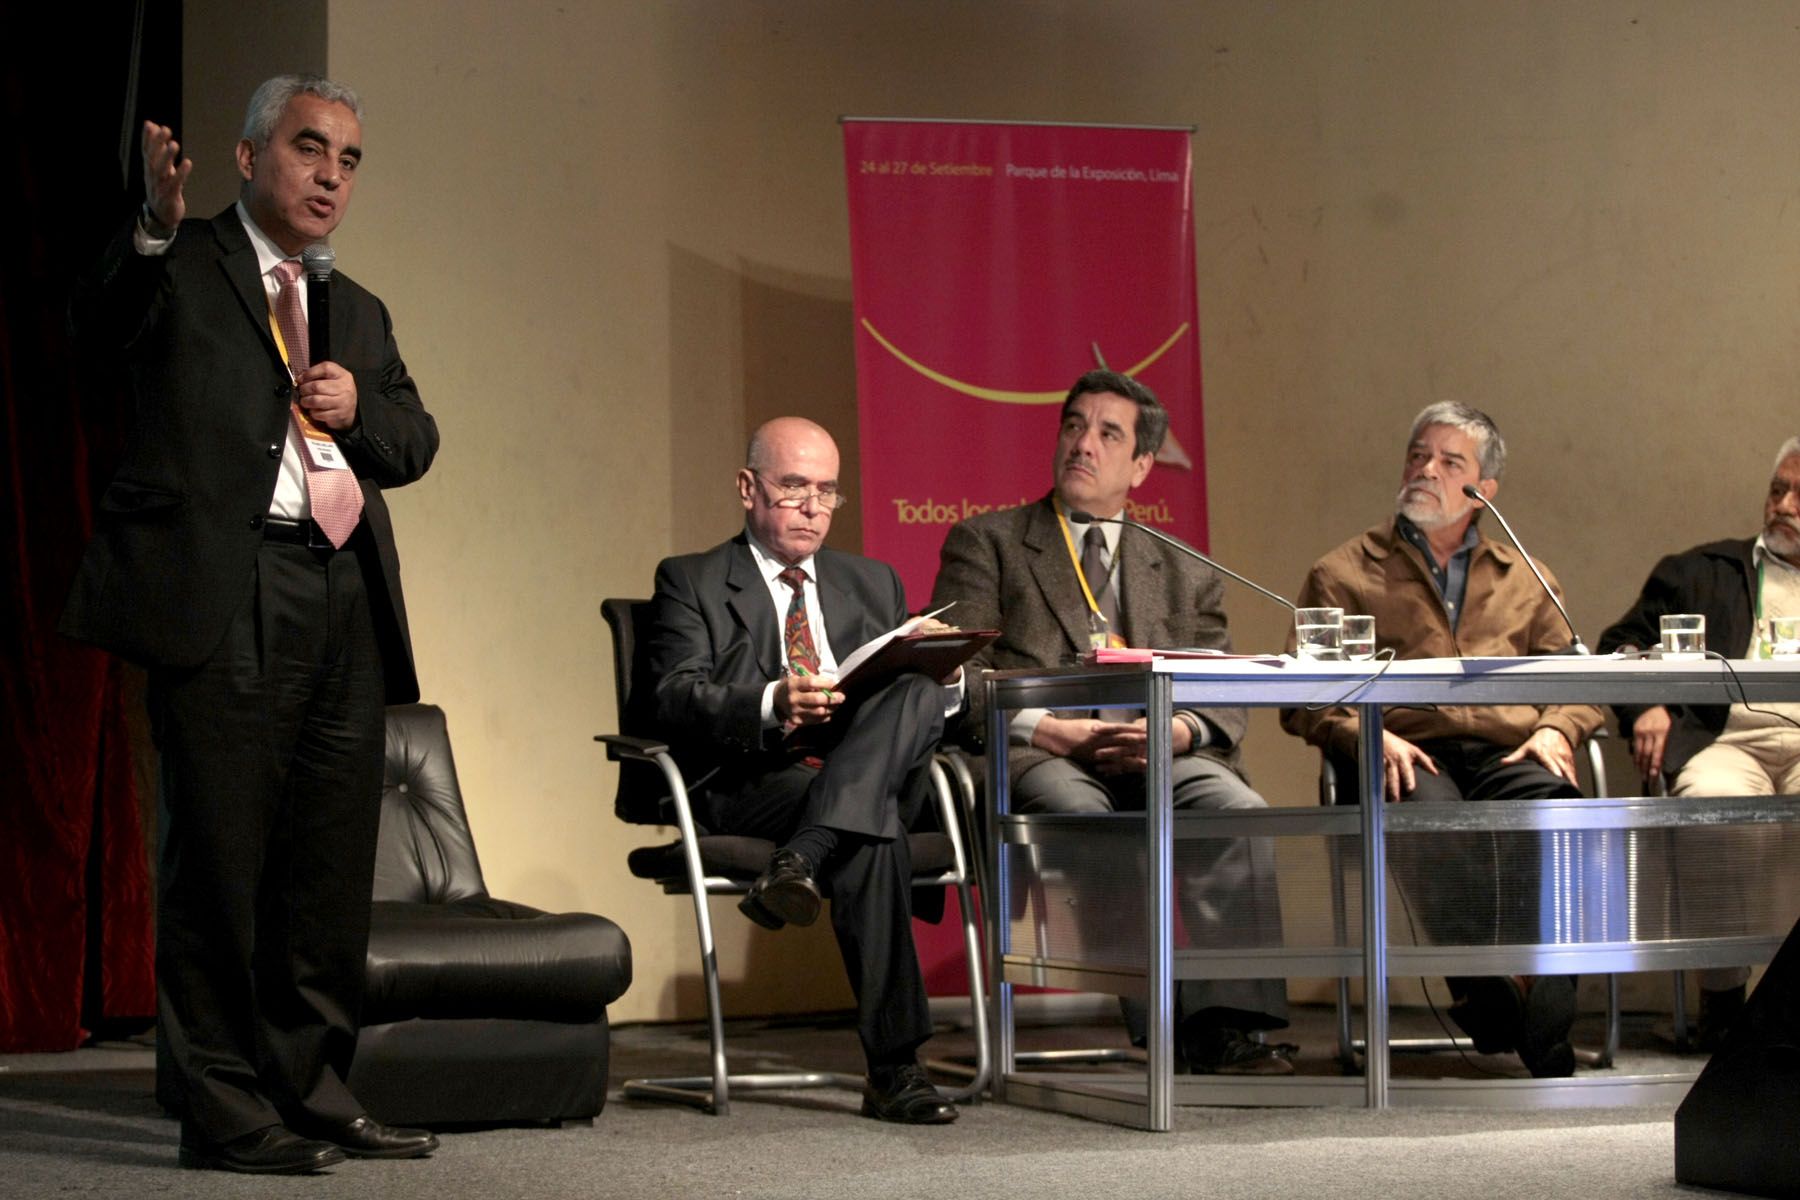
1452 579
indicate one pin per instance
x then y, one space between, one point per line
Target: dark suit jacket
178 528
1010 570
1716 579
715 644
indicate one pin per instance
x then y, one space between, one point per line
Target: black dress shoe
1492 1013
270 1150
1222 1051
366 1137
1719 1010
785 894
905 1095
1544 1041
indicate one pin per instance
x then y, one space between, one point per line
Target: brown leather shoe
271 1150
906 1096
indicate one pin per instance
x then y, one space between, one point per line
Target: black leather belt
296 533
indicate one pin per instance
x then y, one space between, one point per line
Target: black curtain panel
75 875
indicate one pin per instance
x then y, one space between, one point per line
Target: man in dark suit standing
244 555
1056 593
744 646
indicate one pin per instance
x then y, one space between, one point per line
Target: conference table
1608 897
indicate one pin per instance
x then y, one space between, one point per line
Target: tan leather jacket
1505 614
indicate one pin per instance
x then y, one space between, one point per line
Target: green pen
800 669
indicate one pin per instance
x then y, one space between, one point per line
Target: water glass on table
1683 635
1784 637
1359 637
1319 633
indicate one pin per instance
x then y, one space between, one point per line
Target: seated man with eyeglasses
743 650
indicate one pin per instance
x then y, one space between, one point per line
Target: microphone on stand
318 261
1576 645
1077 517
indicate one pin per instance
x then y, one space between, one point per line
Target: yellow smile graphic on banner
1170 455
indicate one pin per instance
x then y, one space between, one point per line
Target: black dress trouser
1470 889
872 786
271 771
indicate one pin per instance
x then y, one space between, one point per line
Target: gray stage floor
85 1124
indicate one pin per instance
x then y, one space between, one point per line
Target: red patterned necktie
802 654
335 496
796 636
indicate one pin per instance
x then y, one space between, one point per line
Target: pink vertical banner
992 265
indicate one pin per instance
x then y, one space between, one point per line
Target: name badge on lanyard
1100 637
321 447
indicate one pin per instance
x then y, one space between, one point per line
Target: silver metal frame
1146 1101
1350 1047
712 1092
968 794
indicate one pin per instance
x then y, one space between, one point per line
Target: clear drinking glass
1683 635
1359 637
1319 633
1784 637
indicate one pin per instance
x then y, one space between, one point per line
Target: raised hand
165 175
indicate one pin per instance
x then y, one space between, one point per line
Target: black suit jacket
1717 580
715 644
178 529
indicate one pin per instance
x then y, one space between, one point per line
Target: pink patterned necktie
335 496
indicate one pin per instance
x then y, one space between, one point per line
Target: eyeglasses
796 495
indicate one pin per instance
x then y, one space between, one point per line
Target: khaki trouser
1757 754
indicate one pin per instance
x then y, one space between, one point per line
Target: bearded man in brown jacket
1439 588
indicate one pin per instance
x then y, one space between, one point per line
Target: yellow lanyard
307 426
280 342
1763 648
1087 593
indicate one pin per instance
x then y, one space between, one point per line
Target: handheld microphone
318 261
1077 517
1576 645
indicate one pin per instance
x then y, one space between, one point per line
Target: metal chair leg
713 1092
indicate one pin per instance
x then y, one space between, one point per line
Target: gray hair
1490 447
1788 449
270 100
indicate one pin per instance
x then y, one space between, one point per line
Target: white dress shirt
781 596
291 501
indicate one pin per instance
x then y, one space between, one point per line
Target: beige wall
613 236
227 49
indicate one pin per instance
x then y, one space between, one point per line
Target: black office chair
701 864
1351 1048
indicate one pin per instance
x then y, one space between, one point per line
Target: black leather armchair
477 1010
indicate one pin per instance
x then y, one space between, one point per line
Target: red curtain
75 891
